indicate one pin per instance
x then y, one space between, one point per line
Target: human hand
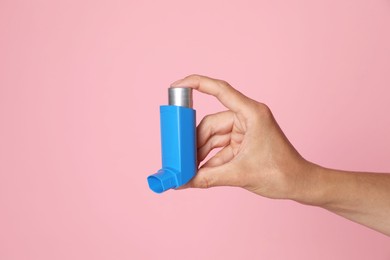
255 153
257 156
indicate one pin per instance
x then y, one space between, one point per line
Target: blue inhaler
178 142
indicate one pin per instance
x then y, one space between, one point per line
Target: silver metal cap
180 97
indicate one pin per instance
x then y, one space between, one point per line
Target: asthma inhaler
178 142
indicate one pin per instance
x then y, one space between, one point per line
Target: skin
257 156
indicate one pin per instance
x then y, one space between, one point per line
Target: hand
255 153
257 156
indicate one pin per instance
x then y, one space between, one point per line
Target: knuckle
210 144
204 181
262 111
223 83
205 124
217 160
214 141
206 119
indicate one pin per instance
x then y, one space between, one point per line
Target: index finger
226 94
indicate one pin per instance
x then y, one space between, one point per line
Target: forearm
361 197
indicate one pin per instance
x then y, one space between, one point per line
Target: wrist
309 185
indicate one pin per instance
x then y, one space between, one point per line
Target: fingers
219 123
223 156
207 177
226 94
214 142
214 131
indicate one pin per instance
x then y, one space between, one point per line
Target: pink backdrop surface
80 86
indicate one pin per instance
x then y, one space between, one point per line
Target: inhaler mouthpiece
178 142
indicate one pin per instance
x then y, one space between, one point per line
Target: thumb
207 177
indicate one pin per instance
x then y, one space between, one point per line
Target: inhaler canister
178 142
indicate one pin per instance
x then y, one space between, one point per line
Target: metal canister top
180 97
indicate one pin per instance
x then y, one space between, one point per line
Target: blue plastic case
178 148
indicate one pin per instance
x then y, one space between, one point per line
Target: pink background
80 86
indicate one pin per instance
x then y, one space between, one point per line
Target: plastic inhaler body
178 142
